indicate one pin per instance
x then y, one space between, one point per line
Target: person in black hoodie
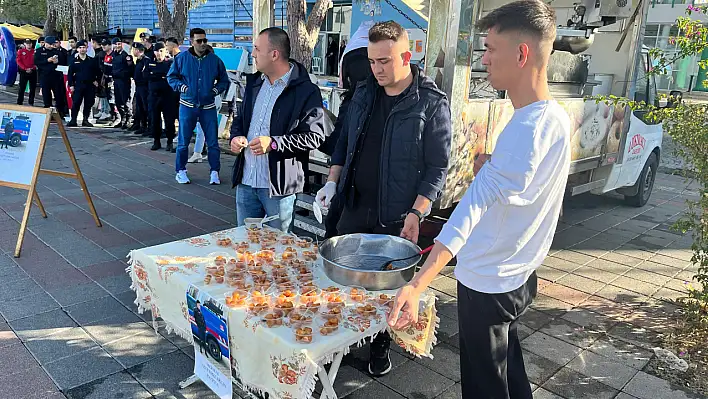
84 75
161 98
52 81
140 124
201 328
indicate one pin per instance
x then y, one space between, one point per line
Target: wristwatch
273 145
417 213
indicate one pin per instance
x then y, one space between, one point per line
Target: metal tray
354 259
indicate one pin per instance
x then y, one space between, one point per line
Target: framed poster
23 132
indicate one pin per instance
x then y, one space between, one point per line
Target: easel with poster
23 135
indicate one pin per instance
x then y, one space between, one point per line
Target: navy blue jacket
123 65
156 73
415 149
198 79
140 73
83 72
297 125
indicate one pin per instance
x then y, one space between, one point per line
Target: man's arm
70 75
222 79
437 139
175 78
21 62
310 132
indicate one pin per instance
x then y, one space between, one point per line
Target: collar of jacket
298 76
412 93
194 53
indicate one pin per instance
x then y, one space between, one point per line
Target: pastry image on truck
15 129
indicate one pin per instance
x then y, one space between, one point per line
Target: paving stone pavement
70 328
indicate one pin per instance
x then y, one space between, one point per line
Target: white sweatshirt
503 227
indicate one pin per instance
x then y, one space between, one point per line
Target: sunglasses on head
201 41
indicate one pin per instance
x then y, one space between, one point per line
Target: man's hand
29 71
95 84
260 145
325 194
479 161
406 301
411 228
238 143
71 89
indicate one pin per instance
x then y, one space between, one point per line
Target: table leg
189 381
327 379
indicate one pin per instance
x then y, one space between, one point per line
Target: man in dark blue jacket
392 155
46 59
140 124
84 75
198 75
161 98
123 68
280 121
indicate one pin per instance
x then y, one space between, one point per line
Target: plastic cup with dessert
219 258
329 325
303 334
236 298
287 239
357 294
367 310
326 313
300 318
309 255
304 242
384 301
272 319
335 300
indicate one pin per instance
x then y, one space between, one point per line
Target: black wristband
418 214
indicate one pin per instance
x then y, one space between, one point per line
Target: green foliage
687 124
23 11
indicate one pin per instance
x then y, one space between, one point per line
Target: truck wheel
15 141
645 182
214 349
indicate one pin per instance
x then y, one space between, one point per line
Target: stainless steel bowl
355 259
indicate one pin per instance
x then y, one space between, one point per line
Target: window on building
682 72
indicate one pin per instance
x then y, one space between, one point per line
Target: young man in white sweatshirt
503 227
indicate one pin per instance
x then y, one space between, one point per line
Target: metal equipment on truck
613 148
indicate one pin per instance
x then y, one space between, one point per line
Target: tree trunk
303 32
80 19
172 24
50 25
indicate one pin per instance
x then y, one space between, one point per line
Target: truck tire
214 348
15 140
645 182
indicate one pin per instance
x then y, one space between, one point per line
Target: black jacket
140 72
415 149
41 60
63 56
123 66
84 72
297 126
156 73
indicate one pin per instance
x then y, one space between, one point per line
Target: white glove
326 193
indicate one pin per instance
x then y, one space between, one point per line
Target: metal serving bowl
355 259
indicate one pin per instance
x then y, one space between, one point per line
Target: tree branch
318 14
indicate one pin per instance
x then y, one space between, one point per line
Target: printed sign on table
21 137
212 360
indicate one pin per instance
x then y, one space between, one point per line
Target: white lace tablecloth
264 359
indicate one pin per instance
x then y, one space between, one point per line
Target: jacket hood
298 76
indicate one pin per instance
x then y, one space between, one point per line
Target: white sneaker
182 177
195 158
205 158
214 177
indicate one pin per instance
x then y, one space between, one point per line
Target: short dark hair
278 40
387 30
161 40
196 31
73 38
530 17
173 40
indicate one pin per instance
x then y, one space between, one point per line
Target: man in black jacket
140 124
122 67
84 75
392 155
52 81
201 328
161 99
281 120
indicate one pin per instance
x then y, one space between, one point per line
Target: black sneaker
86 123
134 127
155 147
170 147
71 124
379 358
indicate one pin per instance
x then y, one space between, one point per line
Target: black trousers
141 106
121 87
161 104
53 85
83 93
491 361
24 79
